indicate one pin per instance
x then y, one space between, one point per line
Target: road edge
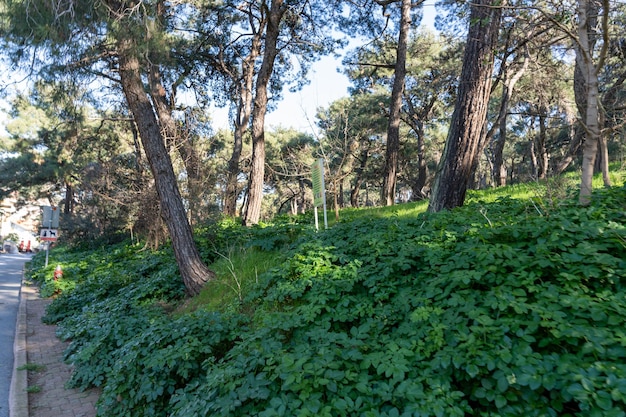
18 394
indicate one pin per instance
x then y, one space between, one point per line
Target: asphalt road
10 281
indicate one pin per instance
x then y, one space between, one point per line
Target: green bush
100 316
163 358
504 308
489 310
103 274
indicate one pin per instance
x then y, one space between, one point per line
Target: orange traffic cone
58 273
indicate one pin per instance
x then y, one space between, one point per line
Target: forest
111 120
475 263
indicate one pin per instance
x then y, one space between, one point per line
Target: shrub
507 308
490 310
149 367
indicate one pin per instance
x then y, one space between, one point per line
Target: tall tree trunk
188 151
336 192
232 176
508 84
542 152
422 169
587 17
603 151
301 196
68 206
415 121
257 168
418 184
175 137
610 100
499 169
576 137
358 180
534 164
242 122
341 199
393 130
193 271
470 110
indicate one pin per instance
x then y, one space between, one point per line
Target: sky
297 110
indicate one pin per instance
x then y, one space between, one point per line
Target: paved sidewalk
44 349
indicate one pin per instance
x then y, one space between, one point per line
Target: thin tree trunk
358 180
193 271
341 200
242 122
174 137
301 196
470 111
542 161
587 15
422 169
188 151
68 207
498 168
534 165
336 198
419 183
415 121
393 130
257 168
585 63
604 161
576 137
232 176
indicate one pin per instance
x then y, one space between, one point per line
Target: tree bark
499 169
393 130
173 136
68 206
470 111
508 84
587 15
542 152
575 136
193 271
358 180
242 122
603 150
336 191
422 169
257 168
415 120
532 154
188 150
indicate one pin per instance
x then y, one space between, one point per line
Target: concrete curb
18 394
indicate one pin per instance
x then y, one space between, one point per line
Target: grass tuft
237 271
32 367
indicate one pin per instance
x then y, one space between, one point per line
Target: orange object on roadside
58 272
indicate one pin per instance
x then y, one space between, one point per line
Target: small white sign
319 190
49 235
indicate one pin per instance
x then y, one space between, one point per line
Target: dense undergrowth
502 308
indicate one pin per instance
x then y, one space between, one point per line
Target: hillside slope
508 308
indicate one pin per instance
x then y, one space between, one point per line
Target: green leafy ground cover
505 307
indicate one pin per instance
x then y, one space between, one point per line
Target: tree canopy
107 79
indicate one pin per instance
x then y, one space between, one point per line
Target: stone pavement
47 395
